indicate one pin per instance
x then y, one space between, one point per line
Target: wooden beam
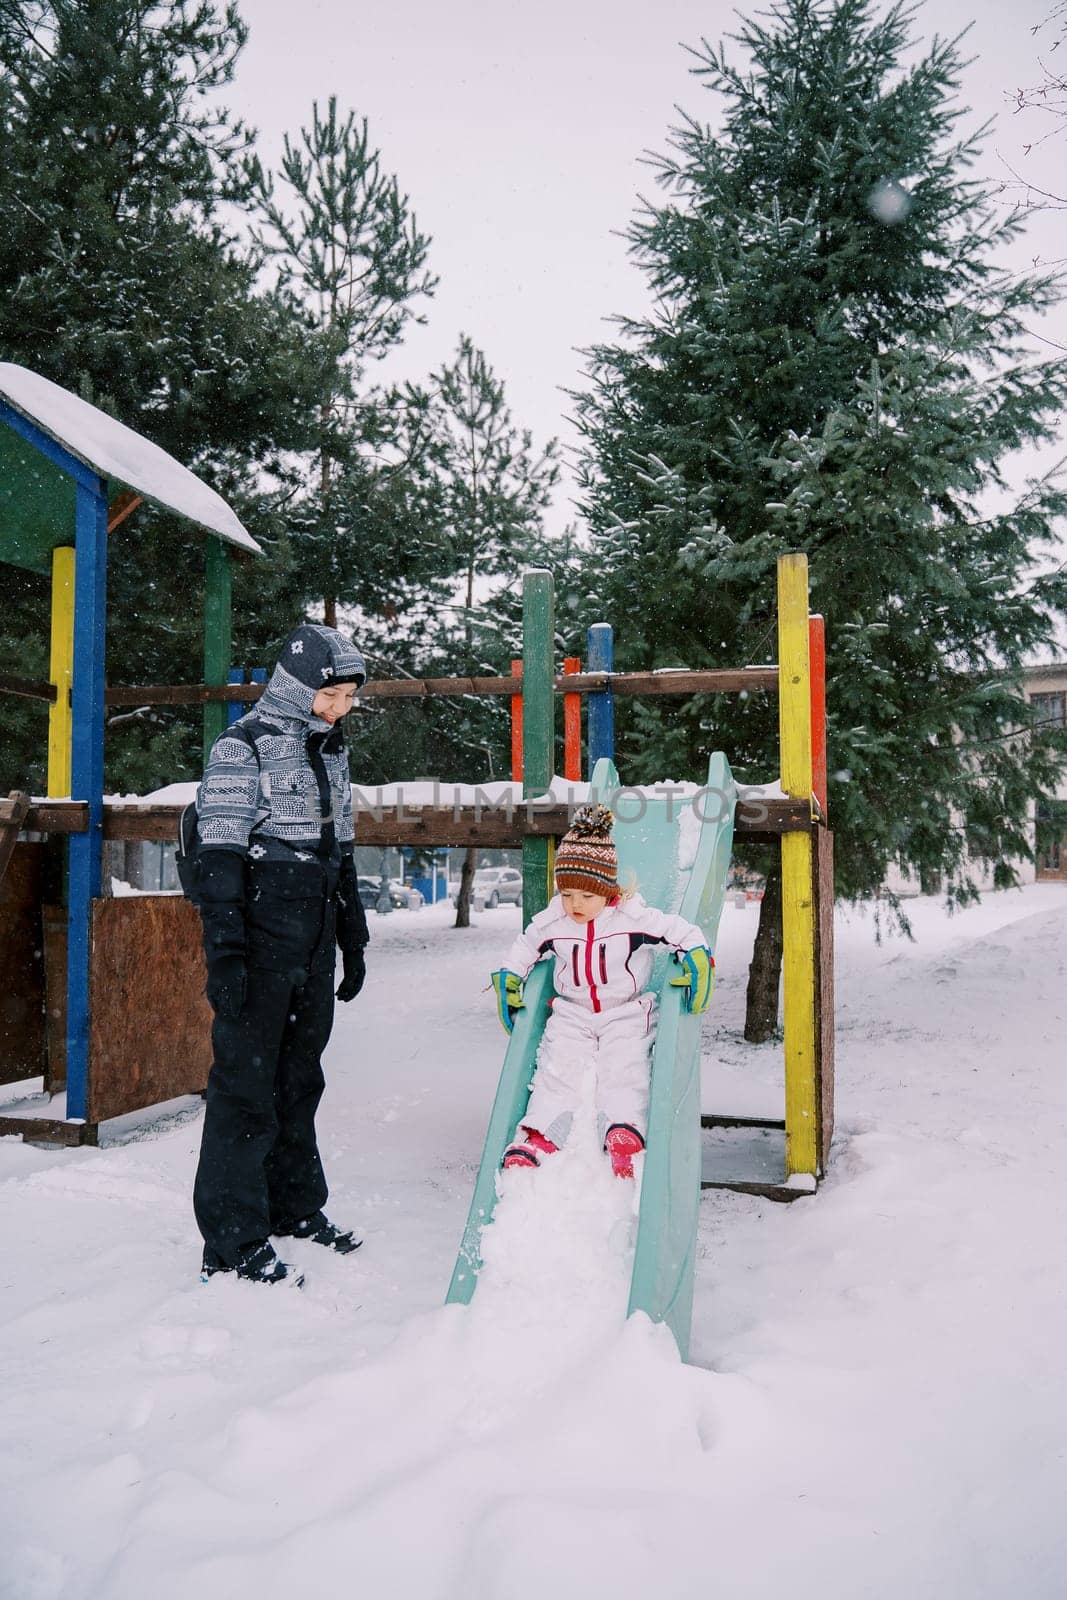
218 634
713 1121
600 711
61 671
516 724
572 725
765 1191
85 855
817 656
61 816
798 912
538 729
12 816
123 506
49 1130
180 694
26 688
745 680
490 825
822 843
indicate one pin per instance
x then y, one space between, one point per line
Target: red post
817 659
572 726
516 726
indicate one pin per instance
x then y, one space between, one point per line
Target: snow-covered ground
877 1404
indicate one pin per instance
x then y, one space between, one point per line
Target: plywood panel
22 1052
54 930
150 1024
824 987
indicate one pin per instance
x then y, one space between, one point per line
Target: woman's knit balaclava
586 856
313 657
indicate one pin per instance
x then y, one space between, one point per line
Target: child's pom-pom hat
586 857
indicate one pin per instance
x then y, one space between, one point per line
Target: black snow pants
259 1169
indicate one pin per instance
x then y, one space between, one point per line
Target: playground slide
649 848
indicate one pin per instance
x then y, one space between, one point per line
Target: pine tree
345 239
118 279
837 364
496 486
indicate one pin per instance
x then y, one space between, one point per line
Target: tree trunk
329 602
466 884
764 975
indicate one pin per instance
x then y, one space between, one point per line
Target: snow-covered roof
116 452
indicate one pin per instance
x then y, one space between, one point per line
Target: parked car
401 897
494 886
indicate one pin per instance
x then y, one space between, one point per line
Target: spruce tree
836 363
448 603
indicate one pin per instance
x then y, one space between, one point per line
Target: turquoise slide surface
648 848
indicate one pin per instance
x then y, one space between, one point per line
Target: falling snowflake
889 202
297 647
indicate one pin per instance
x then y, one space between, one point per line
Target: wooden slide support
799 855
538 726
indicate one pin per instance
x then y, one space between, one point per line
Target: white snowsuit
601 1018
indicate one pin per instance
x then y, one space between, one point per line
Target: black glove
222 893
227 978
355 965
351 917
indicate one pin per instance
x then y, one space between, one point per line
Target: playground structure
649 845
67 469
139 958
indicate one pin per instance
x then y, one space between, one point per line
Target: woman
277 893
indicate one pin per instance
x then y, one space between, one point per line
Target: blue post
234 708
87 734
257 675
600 650
87 769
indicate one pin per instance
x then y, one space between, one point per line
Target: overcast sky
517 130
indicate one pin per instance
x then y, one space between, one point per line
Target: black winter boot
258 1263
320 1230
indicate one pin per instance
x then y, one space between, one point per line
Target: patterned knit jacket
291 783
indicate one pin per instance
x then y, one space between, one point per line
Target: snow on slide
640 1242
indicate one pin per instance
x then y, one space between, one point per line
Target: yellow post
61 671
798 897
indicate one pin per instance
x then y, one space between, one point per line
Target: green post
538 727
218 633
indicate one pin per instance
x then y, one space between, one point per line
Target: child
602 940
276 887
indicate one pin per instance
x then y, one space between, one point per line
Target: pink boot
623 1143
527 1153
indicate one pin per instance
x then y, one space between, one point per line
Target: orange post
516 726
572 726
817 658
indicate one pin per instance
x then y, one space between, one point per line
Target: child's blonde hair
625 890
